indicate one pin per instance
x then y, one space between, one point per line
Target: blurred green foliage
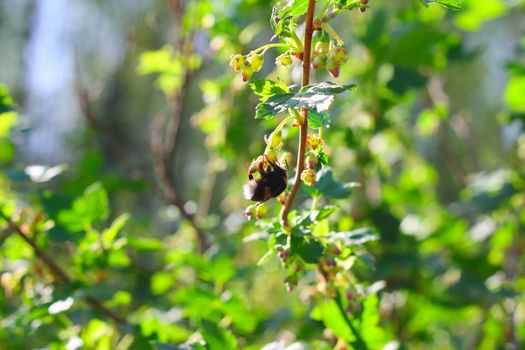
425 192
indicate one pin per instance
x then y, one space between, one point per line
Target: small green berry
284 60
321 48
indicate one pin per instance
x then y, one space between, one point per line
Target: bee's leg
261 169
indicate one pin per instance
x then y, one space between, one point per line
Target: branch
163 144
115 148
307 53
60 275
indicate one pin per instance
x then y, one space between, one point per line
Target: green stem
359 342
268 46
297 41
333 34
323 10
278 128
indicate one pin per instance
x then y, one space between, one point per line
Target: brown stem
60 275
307 54
163 144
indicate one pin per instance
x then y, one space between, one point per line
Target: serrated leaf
323 213
91 207
268 88
307 247
316 98
295 8
109 234
318 120
328 187
217 338
354 237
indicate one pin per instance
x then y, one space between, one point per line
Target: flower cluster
247 65
326 55
314 146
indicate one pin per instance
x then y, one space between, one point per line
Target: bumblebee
271 182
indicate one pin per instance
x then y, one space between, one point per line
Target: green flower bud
256 62
284 60
311 161
246 72
275 140
260 211
318 62
271 155
333 68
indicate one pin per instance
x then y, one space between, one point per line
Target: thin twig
165 132
60 275
115 148
307 53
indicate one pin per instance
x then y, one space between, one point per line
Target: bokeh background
434 135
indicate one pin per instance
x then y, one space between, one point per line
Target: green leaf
316 98
265 258
318 120
328 312
217 338
187 346
295 8
323 213
515 92
323 158
109 234
91 207
118 258
451 4
6 103
268 88
328 187
307 247
354 237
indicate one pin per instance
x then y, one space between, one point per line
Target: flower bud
275 140
254 166
260 211
318 62
311 161
250 212
271 155
333 68
284 60
256 62
246 72
282 198
308 177
236 62
286 158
